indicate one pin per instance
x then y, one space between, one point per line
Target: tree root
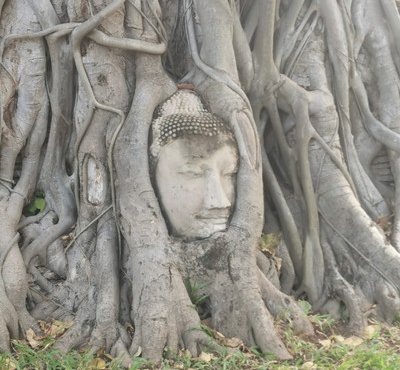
280 304
367 279
338 286
75 337
240 312
267 266
164 317
287 272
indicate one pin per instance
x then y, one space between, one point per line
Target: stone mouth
218 219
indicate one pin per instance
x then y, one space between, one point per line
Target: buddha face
195 178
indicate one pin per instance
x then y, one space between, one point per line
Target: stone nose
215 196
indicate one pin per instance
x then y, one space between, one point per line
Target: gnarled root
279 303
240 295
164 317
239 311
15 319
360 263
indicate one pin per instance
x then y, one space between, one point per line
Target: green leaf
40 204
37 205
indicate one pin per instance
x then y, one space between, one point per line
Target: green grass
379 349
270 242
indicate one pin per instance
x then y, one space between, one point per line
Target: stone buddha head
194 162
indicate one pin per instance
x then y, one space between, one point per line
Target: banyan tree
146 145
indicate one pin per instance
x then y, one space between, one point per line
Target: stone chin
203 231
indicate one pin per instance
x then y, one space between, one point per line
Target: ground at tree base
377 349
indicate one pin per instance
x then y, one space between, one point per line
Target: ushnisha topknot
181 115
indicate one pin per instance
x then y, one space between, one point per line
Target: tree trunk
310 91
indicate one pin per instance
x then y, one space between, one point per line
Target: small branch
65 27
77 36
32 219
291 63
264 41
287 36
285 215
377 129
86 228
127 44
355 249
248 153
219 76
392 14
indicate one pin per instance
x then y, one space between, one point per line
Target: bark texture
310 89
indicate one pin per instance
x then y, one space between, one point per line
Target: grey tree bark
310 89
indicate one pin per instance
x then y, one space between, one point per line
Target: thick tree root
165 318
241 299
280 304
338 287
241 312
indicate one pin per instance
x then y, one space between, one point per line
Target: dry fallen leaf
32 339
326 343
97 364
67 237
232 342
10 364
206 357
227 342
108 356
185 353
353 341
138 352
44 326
370 331
218 334
337 338
58 328
308 366
278 263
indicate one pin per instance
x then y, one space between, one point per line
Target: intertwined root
241 312
164 317
15 319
